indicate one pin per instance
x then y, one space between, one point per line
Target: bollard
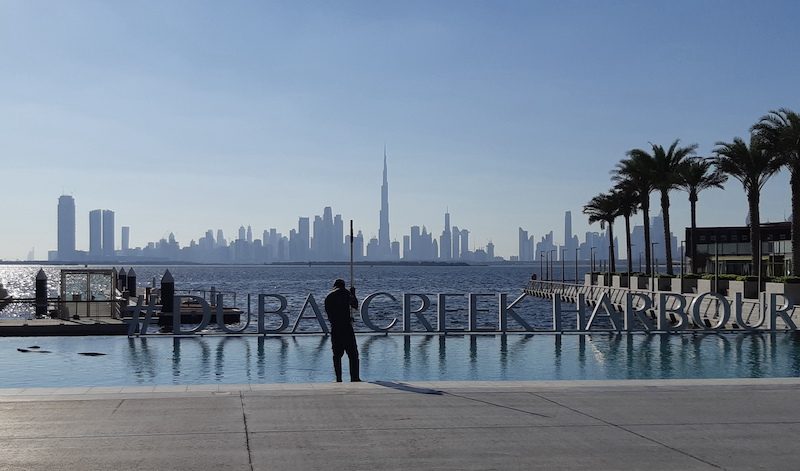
41 293
121 279
167 292
131 282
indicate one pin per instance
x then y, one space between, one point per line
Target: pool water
164 360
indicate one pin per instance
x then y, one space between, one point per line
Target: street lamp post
683 243
591 256
563 279
576 265
551 261
541 265
640 262
654 268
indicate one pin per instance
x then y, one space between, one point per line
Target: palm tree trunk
692 249
611 258
646 221
795 185
628 244
753 198
667 238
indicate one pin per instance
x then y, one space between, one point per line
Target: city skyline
271 111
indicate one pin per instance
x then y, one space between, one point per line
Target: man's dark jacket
337 306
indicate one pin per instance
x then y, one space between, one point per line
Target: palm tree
780 131
628 200
634 172
752 165
604 208
664 165
694 178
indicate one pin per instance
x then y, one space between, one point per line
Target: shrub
788 279
691 276
746 278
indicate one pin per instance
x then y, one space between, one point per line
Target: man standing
343 339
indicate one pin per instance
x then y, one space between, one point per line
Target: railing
709 308
26 308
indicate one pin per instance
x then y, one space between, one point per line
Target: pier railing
57 308
752 309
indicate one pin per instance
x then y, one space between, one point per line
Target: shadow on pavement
407 388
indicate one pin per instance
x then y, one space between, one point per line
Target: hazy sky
184 116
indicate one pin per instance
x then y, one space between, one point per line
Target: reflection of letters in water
661 312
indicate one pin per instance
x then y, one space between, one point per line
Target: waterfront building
490 251
249 234
727 249
66 228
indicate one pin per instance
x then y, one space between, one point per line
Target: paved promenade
593 425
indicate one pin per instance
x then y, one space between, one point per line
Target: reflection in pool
307 358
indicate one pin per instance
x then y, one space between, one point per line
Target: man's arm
353 299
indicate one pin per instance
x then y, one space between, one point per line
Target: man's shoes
338 380
357 380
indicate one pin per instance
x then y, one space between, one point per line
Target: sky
184 116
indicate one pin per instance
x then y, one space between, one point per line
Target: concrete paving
596 425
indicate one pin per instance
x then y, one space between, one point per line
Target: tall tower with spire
384 244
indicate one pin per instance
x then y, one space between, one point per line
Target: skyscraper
384 244
108 233
126 239
95 233
445 240
66 227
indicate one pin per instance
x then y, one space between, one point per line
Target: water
307 358
297 281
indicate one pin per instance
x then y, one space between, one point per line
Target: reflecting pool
63 361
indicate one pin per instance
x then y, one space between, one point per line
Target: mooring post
122 279
213 298
41 293
131 283
167 292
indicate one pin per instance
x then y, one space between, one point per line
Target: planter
603 280
589 279
707 286
639 282
684 285
662 284
790 289
749 289
620 281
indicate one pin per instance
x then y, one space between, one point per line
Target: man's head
339 283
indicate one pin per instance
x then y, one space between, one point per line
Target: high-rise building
525 248
66 227
446 240
384 244
303 236
108 233
96 233
249 234
456 243
126 239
